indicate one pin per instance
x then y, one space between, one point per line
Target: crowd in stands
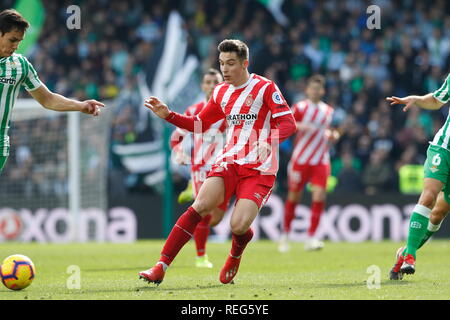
408 54
37 166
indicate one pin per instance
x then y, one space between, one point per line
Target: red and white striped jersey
311 145
249 110
206 145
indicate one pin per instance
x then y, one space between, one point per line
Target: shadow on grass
361 284
149 288
172 289
137 269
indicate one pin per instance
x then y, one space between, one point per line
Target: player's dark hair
233 45
317 79
11 20
212 72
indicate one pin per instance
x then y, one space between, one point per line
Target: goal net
58 164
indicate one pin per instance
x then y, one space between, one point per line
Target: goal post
58 161
73 142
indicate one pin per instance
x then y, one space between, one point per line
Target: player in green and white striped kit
16 72
434 202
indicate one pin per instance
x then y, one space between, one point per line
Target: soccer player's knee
239 227
293 196
318 194
428 199
215 220
319 197
202 207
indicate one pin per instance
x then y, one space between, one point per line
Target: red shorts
245 183
198 177
300 175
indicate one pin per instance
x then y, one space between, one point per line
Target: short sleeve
443 93
275 101
299 111
31 81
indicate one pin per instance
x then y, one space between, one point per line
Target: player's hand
407 101
304 126
91 107
333 135
181 158
158 107
263 151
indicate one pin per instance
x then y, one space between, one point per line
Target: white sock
433 227
165 266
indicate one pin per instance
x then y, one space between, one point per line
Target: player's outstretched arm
158 107
428 102
57 102
198 123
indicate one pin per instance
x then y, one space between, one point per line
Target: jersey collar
245 84
318 104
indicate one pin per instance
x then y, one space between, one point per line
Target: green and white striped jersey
442 137
15 71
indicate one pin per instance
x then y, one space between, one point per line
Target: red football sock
201 234
180 234
289 214
239 242
316 211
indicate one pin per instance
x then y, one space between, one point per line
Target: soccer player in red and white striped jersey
310 160
258 119
206 147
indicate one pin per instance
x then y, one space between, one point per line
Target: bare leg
210 195
217 216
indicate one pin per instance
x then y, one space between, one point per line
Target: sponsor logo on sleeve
276 97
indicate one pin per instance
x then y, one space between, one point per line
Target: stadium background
126 50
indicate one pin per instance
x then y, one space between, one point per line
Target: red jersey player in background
310 160
258 119
206 148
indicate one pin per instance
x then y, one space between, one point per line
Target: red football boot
230 269
408 265
154 274
395 273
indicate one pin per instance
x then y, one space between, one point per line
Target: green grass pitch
339 271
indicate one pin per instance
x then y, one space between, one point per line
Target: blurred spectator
364 149
409 156
439 47
409 54
336 57
376 176
338 162
348 176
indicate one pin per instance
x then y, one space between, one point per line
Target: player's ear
245 63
